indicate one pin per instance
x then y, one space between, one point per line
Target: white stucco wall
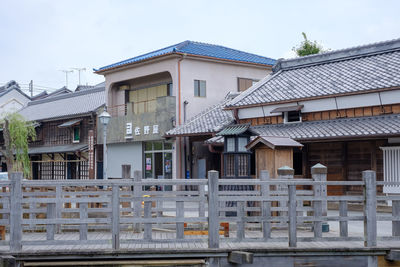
343 102
221 78
11 102
119 154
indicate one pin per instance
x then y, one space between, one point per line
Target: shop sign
147 129
129 128
91 153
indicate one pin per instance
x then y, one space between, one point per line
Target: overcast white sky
40 37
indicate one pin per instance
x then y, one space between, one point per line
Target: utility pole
79 73
66 76
31 88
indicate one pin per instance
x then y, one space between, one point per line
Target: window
76 133
242 142
145 99
244 84
236 157
170 89
292 116
391 168
230 144
199 88
158 161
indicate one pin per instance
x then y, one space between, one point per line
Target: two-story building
342 106
150 94
65 147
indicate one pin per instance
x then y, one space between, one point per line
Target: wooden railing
129 211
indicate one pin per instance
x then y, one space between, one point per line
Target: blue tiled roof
200 49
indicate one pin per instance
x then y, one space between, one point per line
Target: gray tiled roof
211 120
339 72
375 126
383 125
66 105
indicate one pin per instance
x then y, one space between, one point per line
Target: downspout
179 113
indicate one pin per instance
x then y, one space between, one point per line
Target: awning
234 129
70 123
273 142
289 108
58 149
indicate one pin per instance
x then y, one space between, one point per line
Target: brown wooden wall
48 133
346 161
330 115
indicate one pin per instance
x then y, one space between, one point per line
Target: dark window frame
197 88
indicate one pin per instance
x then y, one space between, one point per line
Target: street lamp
104 118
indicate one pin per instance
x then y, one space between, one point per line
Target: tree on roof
17 132
308 47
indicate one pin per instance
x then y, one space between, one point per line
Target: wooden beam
240 257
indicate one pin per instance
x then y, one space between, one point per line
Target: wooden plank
292 216
50 228
343 225
137 206
115 230
83 227
370 226
16 212
241 219
180 213
396 223
147 225
265 205
213 220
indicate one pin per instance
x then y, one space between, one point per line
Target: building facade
150 94
65 147
342 106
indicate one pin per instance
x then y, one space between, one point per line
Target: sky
39 38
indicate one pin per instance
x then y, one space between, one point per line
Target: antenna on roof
66 76
79 73
31 88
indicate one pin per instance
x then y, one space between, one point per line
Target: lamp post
104 118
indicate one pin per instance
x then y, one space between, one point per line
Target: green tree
17 132
308 47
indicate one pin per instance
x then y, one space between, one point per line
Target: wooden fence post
137 204
180 214
292 216
213 215
265 205
59 206
147 225
284 173
240 223
115 216
319 172
83 215
344 232
395 213
370 231
51 214
16 211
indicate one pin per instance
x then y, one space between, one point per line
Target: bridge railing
127 212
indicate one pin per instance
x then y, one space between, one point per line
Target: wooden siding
330 114
270 160
346 161
50 134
